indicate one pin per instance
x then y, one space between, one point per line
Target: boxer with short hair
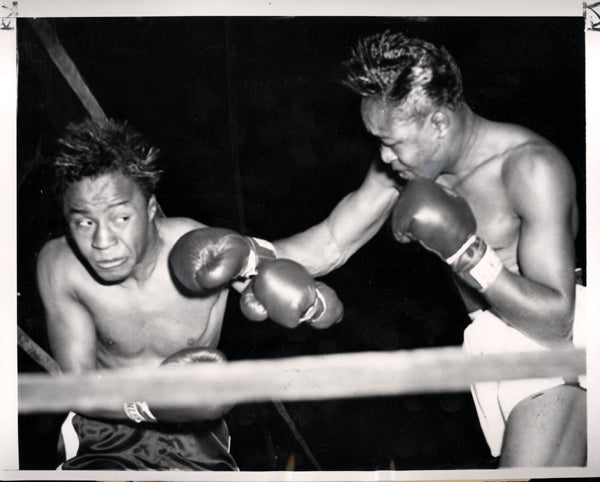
126 287
497 202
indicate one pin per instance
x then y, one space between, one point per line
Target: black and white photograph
252 243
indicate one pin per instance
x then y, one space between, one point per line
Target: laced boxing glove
287 294
209 258
442 222
139 411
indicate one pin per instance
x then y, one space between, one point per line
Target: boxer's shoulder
512 157
380 179
520 149
57 263
536 162
56 252
171 229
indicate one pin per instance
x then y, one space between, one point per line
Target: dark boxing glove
189 356
442 222
287 294
209 258
139 411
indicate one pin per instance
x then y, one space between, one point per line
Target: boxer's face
411 146
108 219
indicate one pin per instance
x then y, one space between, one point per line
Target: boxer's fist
200 411
287 294
442 222
332 309
252 309
188 356
209 258
438 219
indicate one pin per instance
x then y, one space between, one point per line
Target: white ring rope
364 374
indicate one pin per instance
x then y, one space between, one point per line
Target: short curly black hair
404 70
90 149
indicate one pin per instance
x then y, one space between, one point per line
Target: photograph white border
116 8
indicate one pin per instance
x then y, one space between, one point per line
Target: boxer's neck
145 267
470 133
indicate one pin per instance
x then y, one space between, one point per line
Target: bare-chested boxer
128 288
497 202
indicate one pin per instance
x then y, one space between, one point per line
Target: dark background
257 134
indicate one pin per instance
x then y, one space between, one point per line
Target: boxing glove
287 294
189 356
139 411
442 222
209 258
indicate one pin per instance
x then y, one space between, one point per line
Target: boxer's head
90 149
106 175
411 74
409 88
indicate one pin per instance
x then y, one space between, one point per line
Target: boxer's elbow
564 325
559 320
548 320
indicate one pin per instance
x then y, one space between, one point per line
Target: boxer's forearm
541 312
316 249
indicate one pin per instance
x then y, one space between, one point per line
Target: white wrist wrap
261 249
487 269
138 412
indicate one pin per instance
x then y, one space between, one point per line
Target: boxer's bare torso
140 323
109 296
511 170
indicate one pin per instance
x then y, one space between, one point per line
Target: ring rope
37 353
67 68
315 377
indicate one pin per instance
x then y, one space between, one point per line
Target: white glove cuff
487 269
260 249
138 412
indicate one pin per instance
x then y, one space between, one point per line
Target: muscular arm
71 330
70 326
539 300
354 221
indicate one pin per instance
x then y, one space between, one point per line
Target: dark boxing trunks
96 444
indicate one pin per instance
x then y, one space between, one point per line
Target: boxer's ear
153 207
441 123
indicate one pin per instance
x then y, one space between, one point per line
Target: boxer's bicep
352 223
70 328
544 200
360 215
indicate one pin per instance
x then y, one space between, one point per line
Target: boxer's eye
83 223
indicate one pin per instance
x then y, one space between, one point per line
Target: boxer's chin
114 274
405 175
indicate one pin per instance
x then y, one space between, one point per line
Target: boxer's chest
497 223
145 325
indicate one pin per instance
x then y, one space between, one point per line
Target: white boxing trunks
495 400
